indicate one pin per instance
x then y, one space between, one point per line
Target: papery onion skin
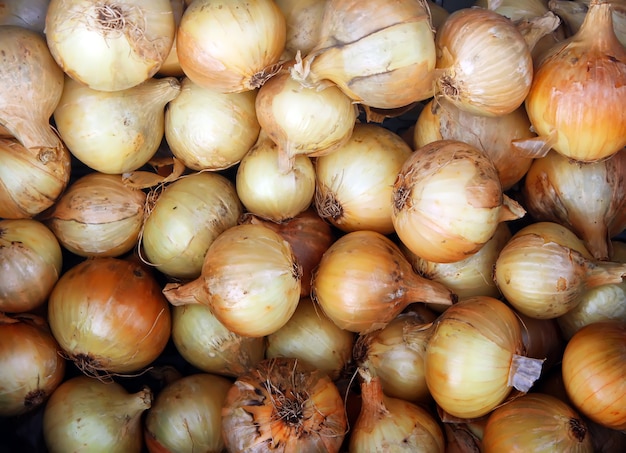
303 19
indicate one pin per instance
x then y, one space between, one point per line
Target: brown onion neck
604 272
34 133
510 210
373 404
420 289
534 29
597 27
187 293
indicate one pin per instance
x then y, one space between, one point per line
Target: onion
185 219
593 372
210 130
114 132
448 201
32 85
98 215
32 367
87 414
475 356
355 181
536 422
303 19
438 14
578 91
354 53
542 338
545 268
515 9
109 316
484 63
286 405
250 279
187 415
30 181
588 198
171 66
231 46
31 262
113 45
364 281
29 14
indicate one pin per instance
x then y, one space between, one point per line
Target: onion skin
29 14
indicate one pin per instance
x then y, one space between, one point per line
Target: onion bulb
355 181
448 201
114 132
31 261
515 9
98 215
186 415
593 372
109 316
170 66
31 365
250 279
29 14
85 414
303 19
364 281
284 404
231 45
113 45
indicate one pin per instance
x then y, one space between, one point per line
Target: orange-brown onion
448 201
542 339
109 316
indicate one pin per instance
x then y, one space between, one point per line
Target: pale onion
395 354
85 414
205 343
544 270
29 14
355 181
588 198
270 192
536 422
515 9
171 66
392 424
30 181
32 85
210 130
31 261
593 372
441 119
185 219
186 415
113 45
303 120
109 316
250 280
484 63
364 281
448 201
231 45
98 215
283 405
355 52
575 103
312 337
31 365
114 132
303 19
475 356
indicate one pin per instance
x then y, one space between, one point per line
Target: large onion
29 14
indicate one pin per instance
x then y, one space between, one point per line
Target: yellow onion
231 45
354 52
575 103
588 198
171 66
29 14
364 281
98 215
448 201
85 414
515 9
475 356
303 120
210 130
32 368
31 262
438 14
542 338
355 181
185 219
303 19
250 279
114 132
593 372
536 422
30 180
113 45
484 63
544 270
286 405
